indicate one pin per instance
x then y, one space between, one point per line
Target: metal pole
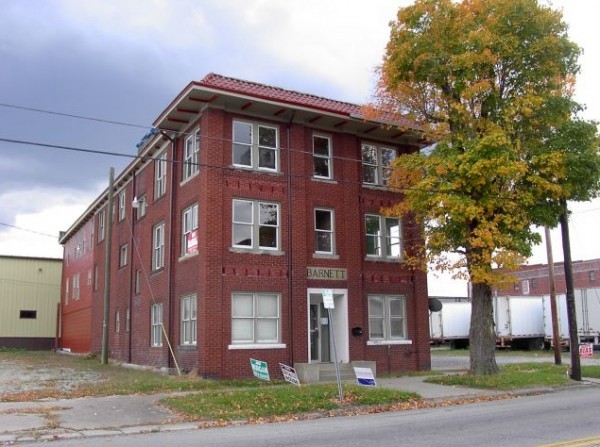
108 217
553 306
337 366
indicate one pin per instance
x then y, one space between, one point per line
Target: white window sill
258 346
254 251
382 259
324 180
388 342
325 256
189 179
188 255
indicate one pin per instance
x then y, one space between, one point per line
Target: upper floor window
158 246
142 205
376 164
324 235
189 231
190 155
255 146
255 224
123 255
76 287
383 236
101 224
160 175
322 157
592 275
122 199
387 317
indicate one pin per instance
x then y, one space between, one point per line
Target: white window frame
101 224
189 318
379 164
383 321
76 287
324 232
189 224
123 255
137 287
191 151
66 291
384 240
253 319
326 159
118 321
142 206
122 207
254 146
156 318
160 175
158 246
255 224
127 319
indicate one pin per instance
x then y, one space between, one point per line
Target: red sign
586 350
192 241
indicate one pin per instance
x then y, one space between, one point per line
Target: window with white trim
141 207
101 224
156 325
376 163
322 157
118 321
324 234
96 277
123 255
66 291
255 224
76 289
255 318
158 246
138 282
383 236
127 319
191 151
160 175
122 207
387 317
188 319
189 230
255 146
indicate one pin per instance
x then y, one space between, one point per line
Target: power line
29 231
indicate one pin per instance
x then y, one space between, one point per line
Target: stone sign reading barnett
326 273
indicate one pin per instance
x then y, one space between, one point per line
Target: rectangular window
255 146
156 317
255 318
190 155
141 207
322 157
89 277
160 175
122 199
76 286
66 291
387 317
101 224
117 321
127 320
376 164
188 320
28 314
158 246
592 275
324 235
383 236
255 224
123 256
96 279
189 231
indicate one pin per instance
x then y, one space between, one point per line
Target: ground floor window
255 318
387 317
156 317
188 319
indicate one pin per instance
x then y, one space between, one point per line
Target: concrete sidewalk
116 415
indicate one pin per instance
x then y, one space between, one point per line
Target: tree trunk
482 337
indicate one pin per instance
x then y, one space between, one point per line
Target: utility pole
108 216
553 306
572 316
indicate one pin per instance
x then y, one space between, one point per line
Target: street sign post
329 305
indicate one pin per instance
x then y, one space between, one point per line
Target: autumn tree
488 81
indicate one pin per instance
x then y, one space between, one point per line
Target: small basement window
28 314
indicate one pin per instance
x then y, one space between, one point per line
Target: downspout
289 238
171 358
131 270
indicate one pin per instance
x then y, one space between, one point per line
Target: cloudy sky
120 63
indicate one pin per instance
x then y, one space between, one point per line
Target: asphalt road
520 422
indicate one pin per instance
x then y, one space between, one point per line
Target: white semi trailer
451 324
519 321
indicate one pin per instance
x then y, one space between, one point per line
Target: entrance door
319 334
319 327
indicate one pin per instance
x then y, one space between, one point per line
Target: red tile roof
267 92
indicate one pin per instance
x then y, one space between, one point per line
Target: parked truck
451 324
519 322
587 311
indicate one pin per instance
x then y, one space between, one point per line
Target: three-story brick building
245 205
